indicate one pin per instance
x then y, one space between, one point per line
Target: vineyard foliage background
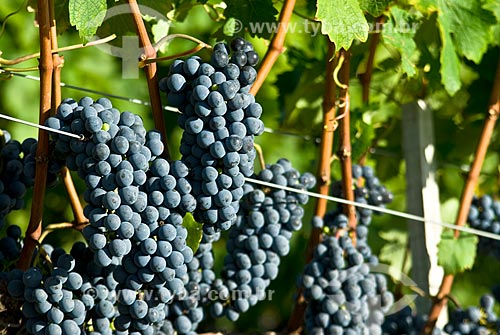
442 51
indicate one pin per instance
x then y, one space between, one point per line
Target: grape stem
366 77
454 300
57 60
441 298
344 151
276 47
74 200
46 67
52 227
166 39
143 63
150 70
57 50
296 320
260 154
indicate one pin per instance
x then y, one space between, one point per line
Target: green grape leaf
449 210
87 16
231 27
465 29
374 7
399 32
256 16
194 230
457 255
160 29
450 63
179 8
469 24
494 7
343 22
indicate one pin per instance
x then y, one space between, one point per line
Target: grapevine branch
191 51
57 50
167 39
151 73
344 152
46 66
366 77
467 194
58 62
276 47
74 200
329 126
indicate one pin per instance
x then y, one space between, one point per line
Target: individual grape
219 59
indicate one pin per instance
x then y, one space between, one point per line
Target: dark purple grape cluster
136 203
344 295
220 119
480 320
62 297
367 190
261 236
17 172
406 322
484 214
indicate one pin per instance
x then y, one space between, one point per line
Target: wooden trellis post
422 194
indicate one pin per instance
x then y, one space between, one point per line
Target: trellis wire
255 181
146 103
88 90
378 209
31 124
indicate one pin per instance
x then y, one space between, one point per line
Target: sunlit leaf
456 255
343 22
87 16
